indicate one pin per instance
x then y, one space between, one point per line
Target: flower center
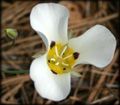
61 58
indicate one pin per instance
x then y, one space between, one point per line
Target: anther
49 61
57 63
52 59
52 44
53 72
64 68
75 55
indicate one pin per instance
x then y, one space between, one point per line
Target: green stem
16 71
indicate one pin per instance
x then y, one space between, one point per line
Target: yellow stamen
60 58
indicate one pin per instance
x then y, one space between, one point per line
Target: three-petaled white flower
51 72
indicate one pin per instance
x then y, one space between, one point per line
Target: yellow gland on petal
61 58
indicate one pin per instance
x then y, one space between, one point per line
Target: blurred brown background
95 87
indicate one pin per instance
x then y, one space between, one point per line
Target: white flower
51 72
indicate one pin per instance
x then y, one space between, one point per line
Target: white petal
96 46
51 20
49 85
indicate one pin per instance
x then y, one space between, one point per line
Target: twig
19 41
11 62
79 84
99 20
15 79
25 95
105 92
9 93
34 97
102 100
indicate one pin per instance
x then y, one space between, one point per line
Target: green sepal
11 33
15 71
